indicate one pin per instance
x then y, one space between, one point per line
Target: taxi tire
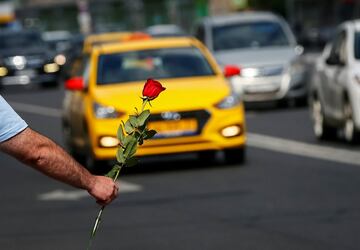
235 156
69 146
95 166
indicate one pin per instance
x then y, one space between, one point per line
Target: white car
264 48
334 94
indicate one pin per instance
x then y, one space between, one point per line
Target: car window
357 45
251 34
157 63
21 40
338 48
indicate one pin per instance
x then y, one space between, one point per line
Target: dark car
67 47
26 59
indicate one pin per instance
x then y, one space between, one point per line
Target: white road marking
254 140
36 109
303 149
63 195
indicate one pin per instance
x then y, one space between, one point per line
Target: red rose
152 89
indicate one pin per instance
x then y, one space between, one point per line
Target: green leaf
132 161
142 118
129 127
120 134
127 140
113 172
133 121
149 134
120 157
130 148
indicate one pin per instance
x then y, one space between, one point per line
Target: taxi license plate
174 128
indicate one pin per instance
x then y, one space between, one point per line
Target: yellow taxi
198 112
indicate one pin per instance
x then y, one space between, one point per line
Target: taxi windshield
157 63
20 40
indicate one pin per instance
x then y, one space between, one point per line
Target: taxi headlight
105 112
108 142
229 101
231 131
51 68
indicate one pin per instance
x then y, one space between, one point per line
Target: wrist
90 182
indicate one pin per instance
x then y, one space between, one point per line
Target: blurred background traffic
63 26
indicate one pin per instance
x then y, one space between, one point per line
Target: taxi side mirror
231 70
75 83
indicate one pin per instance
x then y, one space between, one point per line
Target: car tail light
231 70
75 83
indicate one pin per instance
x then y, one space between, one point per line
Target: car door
331 74
339 63
341 78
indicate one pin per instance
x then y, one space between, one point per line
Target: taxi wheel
69 146
95 166
234 156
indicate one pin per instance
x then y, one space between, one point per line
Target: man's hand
103 189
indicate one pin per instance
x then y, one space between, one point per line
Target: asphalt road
293 193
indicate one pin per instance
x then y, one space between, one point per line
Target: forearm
63 167
44 155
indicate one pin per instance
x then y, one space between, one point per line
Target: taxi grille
201 116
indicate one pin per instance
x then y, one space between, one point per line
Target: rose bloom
152 89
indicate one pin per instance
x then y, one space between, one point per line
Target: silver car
264 48
335 86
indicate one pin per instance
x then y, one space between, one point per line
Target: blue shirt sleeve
10 122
